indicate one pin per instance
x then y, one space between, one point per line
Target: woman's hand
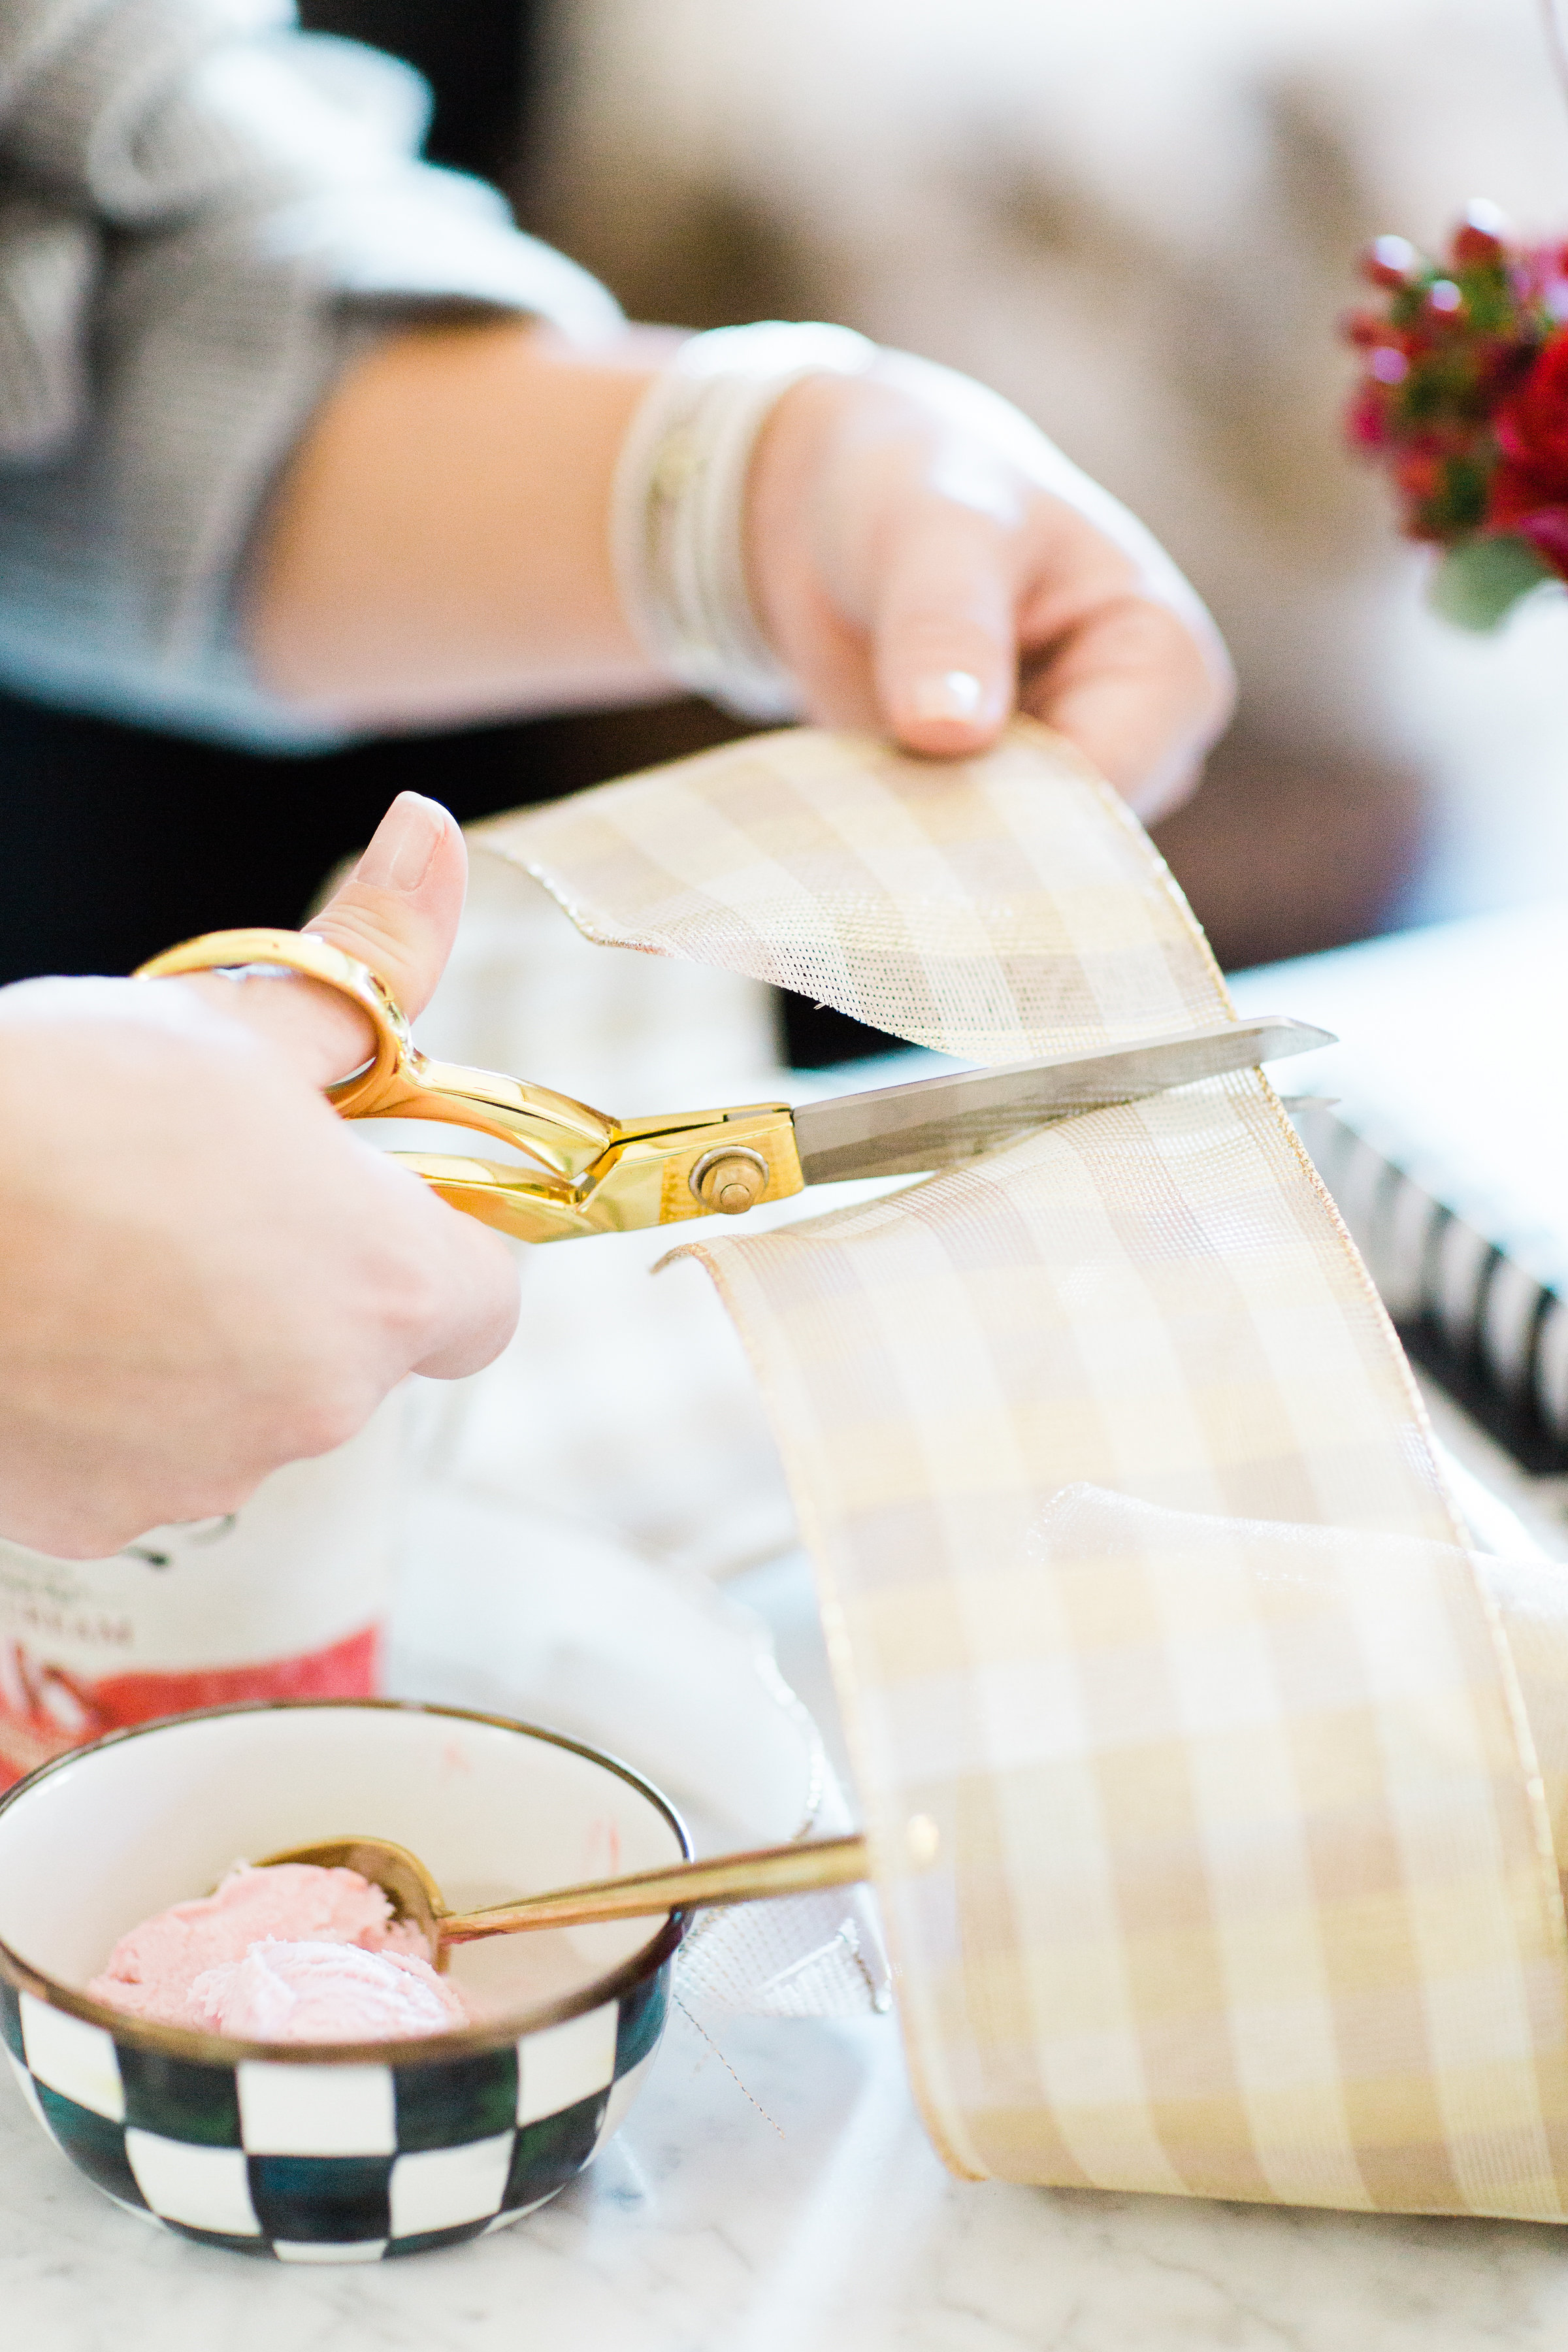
924 563
204 1273
439 549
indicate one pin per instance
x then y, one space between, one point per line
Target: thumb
944 644
398 911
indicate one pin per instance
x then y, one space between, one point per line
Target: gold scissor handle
579 1171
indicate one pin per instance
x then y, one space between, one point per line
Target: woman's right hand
204 1273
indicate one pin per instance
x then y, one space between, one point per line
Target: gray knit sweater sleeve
203 212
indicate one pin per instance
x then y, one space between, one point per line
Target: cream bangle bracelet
678 505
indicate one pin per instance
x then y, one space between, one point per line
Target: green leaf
1476 584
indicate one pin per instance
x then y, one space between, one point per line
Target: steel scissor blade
935 1122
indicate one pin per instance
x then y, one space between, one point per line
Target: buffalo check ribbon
1140 1582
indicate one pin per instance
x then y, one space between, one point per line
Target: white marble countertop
825 2226
779 2196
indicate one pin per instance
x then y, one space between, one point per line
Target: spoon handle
728 1879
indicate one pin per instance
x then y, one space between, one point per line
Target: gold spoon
771 1871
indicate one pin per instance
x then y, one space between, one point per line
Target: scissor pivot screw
730 1181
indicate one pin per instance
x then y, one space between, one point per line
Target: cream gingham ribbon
1140 1579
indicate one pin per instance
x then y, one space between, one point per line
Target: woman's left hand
919 556
923 561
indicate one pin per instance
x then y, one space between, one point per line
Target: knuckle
82 1537
316 1400
415 1298
373 928
320 1423
1158 638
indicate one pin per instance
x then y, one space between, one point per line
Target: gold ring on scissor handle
581 1172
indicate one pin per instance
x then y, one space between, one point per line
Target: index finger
1139 693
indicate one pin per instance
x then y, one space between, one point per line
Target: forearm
491 518
437 546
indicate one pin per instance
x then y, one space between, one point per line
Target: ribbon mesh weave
1138 1573
828 864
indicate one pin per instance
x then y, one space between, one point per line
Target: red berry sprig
1459 401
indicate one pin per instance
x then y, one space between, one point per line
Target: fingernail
950 694
403 844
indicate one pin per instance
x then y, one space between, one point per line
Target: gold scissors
579 1172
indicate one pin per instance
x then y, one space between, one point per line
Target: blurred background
1139 220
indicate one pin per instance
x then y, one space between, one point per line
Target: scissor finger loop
578 1172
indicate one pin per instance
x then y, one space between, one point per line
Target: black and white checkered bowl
330 2153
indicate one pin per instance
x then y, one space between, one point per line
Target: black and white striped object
1445 1150
1489 1327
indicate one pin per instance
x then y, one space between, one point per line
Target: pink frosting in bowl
325 1993
288 2016
293 1953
